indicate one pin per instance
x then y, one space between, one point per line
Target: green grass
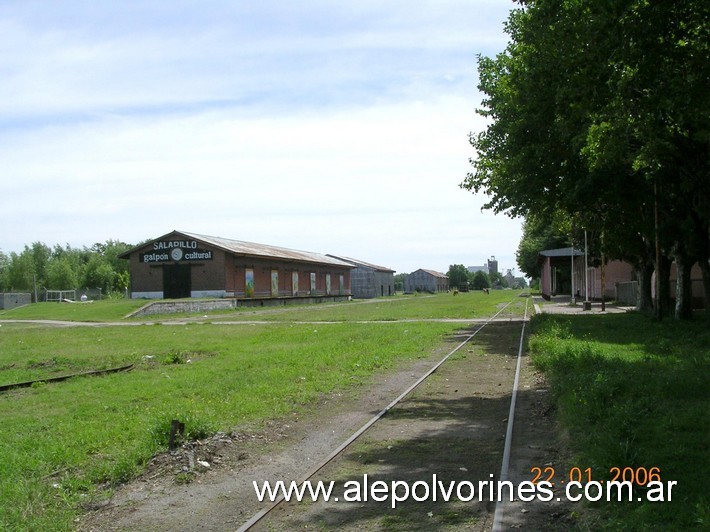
413 307
633 393
62 444
98 311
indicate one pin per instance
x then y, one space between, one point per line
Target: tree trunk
705 269
683 292
644 300
664 297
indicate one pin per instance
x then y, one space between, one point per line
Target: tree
480 280
4 266
458 276
20 271
99 274
399 281
497 280
61 275
594 107
538 236
40 254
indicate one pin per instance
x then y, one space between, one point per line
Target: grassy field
416 307
96 311
399 307
62 443
633 393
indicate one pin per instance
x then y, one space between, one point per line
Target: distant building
492 266
509 278
369 280
426 281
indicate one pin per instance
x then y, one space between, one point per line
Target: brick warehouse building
182 265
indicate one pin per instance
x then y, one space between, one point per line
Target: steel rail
265 511
505 464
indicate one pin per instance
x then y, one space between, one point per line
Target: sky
326 126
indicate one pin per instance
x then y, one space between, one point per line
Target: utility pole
574 300
658 298
603 276
587 305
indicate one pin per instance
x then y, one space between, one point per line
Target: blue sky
335 127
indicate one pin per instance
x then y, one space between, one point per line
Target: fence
627 293
78 294
60 295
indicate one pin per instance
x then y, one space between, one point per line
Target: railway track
480 325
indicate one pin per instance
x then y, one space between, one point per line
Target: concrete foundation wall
180 306
13 300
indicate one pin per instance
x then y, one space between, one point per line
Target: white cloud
346 134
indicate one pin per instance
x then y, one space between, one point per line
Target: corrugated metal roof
357 262
239 247
561 252
252 249
434 273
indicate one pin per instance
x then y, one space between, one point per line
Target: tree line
598 119
460 277
40 267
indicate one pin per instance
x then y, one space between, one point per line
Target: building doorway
176 281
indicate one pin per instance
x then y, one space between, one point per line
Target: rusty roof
357 262
251 249
434 273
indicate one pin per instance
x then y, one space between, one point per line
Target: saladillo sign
175 251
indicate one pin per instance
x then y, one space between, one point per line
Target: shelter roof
561 252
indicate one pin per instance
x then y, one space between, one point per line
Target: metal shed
426 281
369 280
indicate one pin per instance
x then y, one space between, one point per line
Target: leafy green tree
20 271
458 276
480 280
4 266
538 236
99 274
41 254
399 281
109 252
497 280
61 275
598 112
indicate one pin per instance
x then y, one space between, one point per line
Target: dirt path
453 425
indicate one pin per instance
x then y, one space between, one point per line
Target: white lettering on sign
176 255
170 244
196 255
155 257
